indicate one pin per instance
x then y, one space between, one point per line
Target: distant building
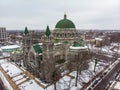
102 41
3 34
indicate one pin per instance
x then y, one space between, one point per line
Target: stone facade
65 35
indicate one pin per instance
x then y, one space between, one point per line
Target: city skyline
36 14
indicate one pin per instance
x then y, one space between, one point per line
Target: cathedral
48 56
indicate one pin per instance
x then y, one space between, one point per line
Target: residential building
3 34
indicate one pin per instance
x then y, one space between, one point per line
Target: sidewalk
112 87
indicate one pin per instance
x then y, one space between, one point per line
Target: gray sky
37 14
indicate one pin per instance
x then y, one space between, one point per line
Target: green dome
65 23
78 44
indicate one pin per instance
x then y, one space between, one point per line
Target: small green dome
78 44
65 23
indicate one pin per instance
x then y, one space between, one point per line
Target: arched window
32 59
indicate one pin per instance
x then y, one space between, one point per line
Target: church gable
36 49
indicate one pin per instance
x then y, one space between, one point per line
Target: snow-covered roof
30 85
11 69
10 47
100 39
80 47
37 48
18 76
40 44
57 44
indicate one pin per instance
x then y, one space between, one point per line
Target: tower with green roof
26 45
48 53
47 32
26 32
48 42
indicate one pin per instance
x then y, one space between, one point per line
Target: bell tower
48 41
26 45
48 51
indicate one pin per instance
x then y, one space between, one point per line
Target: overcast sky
37 14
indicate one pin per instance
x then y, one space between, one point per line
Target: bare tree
67 84
96 62
81 64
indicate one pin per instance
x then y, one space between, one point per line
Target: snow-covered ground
68 81
117 86
18 76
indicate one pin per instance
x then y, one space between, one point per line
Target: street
105 80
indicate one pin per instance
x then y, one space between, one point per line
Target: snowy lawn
65 83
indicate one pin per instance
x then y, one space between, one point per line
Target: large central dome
65 23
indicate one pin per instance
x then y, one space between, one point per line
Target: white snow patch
117 86
30 85
67 83
57 44
20 81
100 39
18 77
10 47
80 47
